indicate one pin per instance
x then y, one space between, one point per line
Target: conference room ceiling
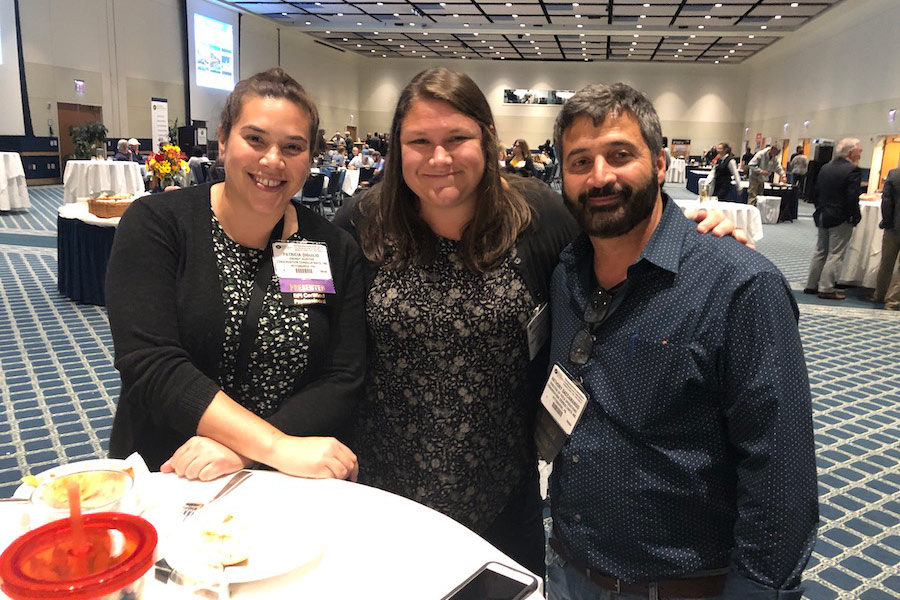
673 31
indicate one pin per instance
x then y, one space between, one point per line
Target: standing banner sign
159 121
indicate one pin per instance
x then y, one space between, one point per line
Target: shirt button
575 458
577 518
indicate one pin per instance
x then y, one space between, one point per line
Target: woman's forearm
232 425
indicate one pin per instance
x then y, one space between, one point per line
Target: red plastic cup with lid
111 560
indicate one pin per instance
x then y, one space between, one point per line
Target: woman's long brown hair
393 235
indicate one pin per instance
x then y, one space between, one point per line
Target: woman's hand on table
314 457
715 221
204 459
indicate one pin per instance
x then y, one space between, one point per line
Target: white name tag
563 399
303 267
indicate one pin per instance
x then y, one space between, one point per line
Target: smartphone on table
494 581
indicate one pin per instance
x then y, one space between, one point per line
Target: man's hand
204 459
715 222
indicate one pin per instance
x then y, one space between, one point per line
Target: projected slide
214 53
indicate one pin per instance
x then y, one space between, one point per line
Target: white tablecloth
860 266
79 210
769 208
13 190
675 172
366 543
743 215
351 181
85 178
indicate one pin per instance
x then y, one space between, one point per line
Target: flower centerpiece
167 165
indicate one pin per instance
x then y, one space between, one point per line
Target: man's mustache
607 190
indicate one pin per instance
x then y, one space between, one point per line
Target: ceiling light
527 35
795 4
358 23
327 32
707 17
585 60
717 62
674 56
465 24
631 49
463 56
359 45
345 39
530 41
475 34
685 43
634 43
726 56
426 33
412 24
583 42
680 49
490 47
731 51
763 27
402 46
777 16
740 43
636 35
646 5
455 15
372 51
390 39
340 14
580 25
284 14
643 16
521 24
413 51
539 53
384 56
575 4
509 3
693 36
308 23
446 47
699 26
502 58
318 4
583 54
396 15
718 5
580 35
751 36
515 16
640 26
537 47
577 16
380 3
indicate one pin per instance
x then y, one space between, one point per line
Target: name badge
304 272
538 330
563 401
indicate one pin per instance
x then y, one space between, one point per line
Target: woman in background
520 161
219 369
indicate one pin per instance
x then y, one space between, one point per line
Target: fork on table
238 478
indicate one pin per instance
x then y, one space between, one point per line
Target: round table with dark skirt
83 245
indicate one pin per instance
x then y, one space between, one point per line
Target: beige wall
115 46
841 73
699 102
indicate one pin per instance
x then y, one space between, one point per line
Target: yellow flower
165 168
185 167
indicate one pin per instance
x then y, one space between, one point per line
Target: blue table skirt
83 251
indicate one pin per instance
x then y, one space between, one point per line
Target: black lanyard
254 307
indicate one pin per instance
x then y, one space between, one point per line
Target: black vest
723 178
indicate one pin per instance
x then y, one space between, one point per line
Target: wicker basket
108 208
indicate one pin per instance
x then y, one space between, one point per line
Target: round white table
675 172
744 216
863 256
13 189
84 178
356 541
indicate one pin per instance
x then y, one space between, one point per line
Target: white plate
275 546
96 464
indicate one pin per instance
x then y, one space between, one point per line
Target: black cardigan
167 317
538 249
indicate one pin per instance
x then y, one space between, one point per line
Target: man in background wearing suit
887 290
837 211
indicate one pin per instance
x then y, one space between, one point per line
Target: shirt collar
663 250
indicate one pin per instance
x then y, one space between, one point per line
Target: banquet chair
365 176
554 180
332 195
311 195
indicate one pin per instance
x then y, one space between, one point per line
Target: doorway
890 158
73 114
352 130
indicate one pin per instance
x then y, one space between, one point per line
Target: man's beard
618 218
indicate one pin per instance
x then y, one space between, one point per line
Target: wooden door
805 143
73 114
889 159
352 130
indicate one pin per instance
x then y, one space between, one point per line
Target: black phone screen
490 585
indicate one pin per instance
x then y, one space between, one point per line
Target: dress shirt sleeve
768 417
141 292
325 405
853 183
711 180
732 166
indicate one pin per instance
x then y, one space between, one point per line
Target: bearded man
689 469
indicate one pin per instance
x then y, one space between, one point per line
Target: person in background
134 147
520 161
719 180
122 151
764 163
359 160
665 143
220 370
695 443
887 288
799 168
710 155
745 159
337 139
378 165
459 263
340 158
321 144
547 148
837 212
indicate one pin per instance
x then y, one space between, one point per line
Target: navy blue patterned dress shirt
695 451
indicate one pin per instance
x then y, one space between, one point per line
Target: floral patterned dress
281 349
445 417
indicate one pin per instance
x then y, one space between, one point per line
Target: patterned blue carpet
58 390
